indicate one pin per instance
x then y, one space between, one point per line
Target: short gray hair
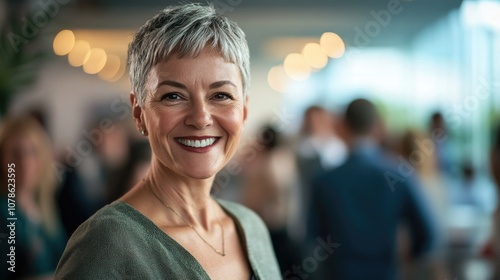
185 31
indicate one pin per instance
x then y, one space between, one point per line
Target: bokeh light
120 73
296 67
277 78
314 56
64 42
78 55
332 45
94 61
111 68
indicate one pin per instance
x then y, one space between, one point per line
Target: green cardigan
118 242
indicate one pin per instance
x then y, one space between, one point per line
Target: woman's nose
199 115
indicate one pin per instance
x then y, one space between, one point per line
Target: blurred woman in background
425 163
39 239
270 189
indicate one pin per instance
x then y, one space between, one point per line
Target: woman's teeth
197 143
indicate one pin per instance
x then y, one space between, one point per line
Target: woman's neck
188 198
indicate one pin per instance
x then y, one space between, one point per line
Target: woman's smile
197 144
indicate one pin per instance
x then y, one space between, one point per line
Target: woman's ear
245 109
137 114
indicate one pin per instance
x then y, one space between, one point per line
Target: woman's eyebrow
217 84
171 83
220 84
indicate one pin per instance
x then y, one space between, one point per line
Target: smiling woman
189 70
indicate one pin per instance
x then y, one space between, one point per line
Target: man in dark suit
360 204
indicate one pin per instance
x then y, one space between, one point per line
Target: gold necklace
190 225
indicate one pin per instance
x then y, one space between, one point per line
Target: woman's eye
171 96
222 96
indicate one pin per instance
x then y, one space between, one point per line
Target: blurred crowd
56 191
349 198
345 198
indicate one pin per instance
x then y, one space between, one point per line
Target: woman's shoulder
117 210
114 217
116 221
100 245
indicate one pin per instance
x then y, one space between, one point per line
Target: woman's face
194 113
23 152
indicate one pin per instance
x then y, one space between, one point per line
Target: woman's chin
201 174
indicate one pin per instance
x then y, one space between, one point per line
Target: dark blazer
359 206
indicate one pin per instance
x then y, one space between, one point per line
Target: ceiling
265 21
306 18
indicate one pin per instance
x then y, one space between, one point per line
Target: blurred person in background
269 187
437 126
319 148
40 237
135 169
98 175
466 202
419 150
361 204
468 223
466 193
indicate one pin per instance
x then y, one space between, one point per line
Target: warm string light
277 78
107 66
314 56
64 42
299 66
296 67
332 45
